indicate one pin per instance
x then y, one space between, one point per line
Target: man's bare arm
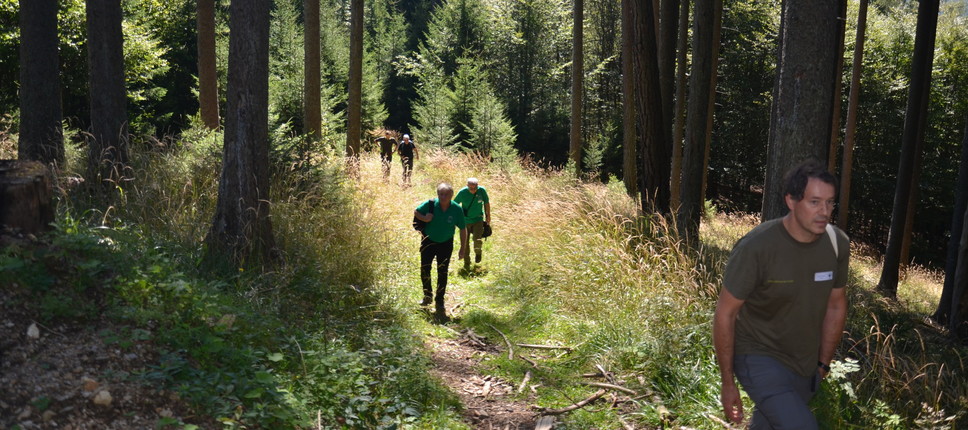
424 217
833 324
724 338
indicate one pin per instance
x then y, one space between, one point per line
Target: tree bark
207 74
717 33
943 313
838 84
668 31
630 166
911 140
653 143
959 303
108 143
577 78
311 110
679 121
701 95
803 96
846 170
241 226
41 132
355 102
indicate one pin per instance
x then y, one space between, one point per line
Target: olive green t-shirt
473 204
441 228
786 285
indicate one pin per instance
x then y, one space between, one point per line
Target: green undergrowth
311 340
571 264
331 334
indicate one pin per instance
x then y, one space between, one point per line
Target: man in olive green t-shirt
441 216
477 212
782 309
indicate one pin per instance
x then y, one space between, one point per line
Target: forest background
429 65
445 71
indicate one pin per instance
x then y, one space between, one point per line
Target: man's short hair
443 186
472 181
795 180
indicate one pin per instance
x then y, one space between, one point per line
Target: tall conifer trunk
207 74
803 95
41 133
241 226
108 143
911 140
355 102
311 104
577 75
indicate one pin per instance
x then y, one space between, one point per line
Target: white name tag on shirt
823 276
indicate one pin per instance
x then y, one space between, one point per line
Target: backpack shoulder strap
833 239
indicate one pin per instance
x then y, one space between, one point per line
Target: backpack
421 225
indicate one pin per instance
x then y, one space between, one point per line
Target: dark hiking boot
477 258
426 301
440 313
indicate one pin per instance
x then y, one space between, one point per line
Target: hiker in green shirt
441 216
477 212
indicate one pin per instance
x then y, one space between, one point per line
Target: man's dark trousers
442 252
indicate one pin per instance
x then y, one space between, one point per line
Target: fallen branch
720 421
598 394
606 374
592 375
526 345
510 350
524 383
612 387
531 362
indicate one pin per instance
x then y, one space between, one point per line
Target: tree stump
26 198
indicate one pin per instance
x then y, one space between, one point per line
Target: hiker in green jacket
441 216
477 212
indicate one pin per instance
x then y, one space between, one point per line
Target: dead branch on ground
598 394
510 350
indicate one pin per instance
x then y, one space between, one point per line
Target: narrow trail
487 400
490 402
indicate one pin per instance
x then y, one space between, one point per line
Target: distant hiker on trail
477 212
781 312
408 152
441 216
388 145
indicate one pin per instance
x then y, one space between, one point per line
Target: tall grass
333 331
577 266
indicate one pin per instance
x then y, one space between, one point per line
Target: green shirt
786 285
474 203
441 228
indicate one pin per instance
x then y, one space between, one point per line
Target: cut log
26 198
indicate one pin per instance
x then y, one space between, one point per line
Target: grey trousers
780 395
477 230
